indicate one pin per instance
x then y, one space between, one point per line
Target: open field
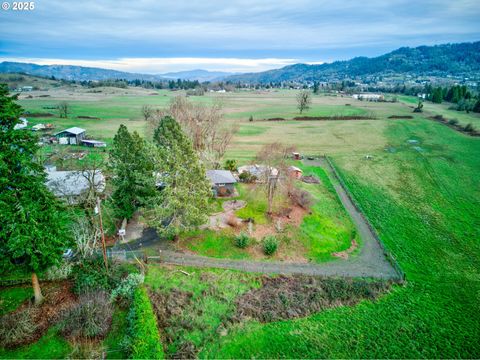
420 190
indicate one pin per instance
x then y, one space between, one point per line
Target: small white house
368 97
38 127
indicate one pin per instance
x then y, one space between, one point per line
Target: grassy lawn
256 207
425 206
328 229
11 298
116 335
218 244
50 346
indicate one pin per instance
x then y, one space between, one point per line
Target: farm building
296 156
94 143
38 127
22 124
259 171
71 185
369 97
223 182
294 172
71 136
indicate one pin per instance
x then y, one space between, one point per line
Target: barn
71 136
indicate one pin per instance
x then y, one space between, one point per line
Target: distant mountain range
198 74
457 60
71 72
441 60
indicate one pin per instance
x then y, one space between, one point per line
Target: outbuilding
94 143
294 172
223 182
71 136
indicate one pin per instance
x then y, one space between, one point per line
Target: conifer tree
133 179
183 203
33 224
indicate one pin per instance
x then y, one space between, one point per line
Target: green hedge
144 340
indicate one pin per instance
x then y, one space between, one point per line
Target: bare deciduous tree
204 126
63 109
303 100
147 112
86 237
273 157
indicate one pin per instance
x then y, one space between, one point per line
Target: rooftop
72 130
221 177
73 183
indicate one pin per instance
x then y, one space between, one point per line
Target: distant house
369 97
94 143
22 125
294 172
71 185
71 136
27 88
38 127
223 182
259 171
296 156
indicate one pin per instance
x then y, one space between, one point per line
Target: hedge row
144 342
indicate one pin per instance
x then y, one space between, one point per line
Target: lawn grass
328 228
425 207
13 297
50 346
256 207
217 244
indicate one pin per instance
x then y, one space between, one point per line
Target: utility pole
104 248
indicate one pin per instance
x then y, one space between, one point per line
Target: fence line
390 257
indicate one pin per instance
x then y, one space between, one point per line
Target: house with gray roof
72 185
223 182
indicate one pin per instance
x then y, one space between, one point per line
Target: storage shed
71 136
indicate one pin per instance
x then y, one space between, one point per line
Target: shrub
231 165
242 240
124 291
233 221
250 118
270 245
17 328
301 198
469 128
247 177
90 275
453 122
143 339
89 318
59 272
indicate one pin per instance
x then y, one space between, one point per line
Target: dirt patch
310 179
287 297
400 117
288 216
352 117
88 117
39 114
346 253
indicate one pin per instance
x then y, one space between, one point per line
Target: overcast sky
154 36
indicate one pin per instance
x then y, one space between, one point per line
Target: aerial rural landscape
212 193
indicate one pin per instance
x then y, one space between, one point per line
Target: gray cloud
306 29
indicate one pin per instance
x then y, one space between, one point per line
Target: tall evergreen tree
33 224
183 201
437 95
132 165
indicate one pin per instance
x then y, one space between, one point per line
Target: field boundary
390 257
